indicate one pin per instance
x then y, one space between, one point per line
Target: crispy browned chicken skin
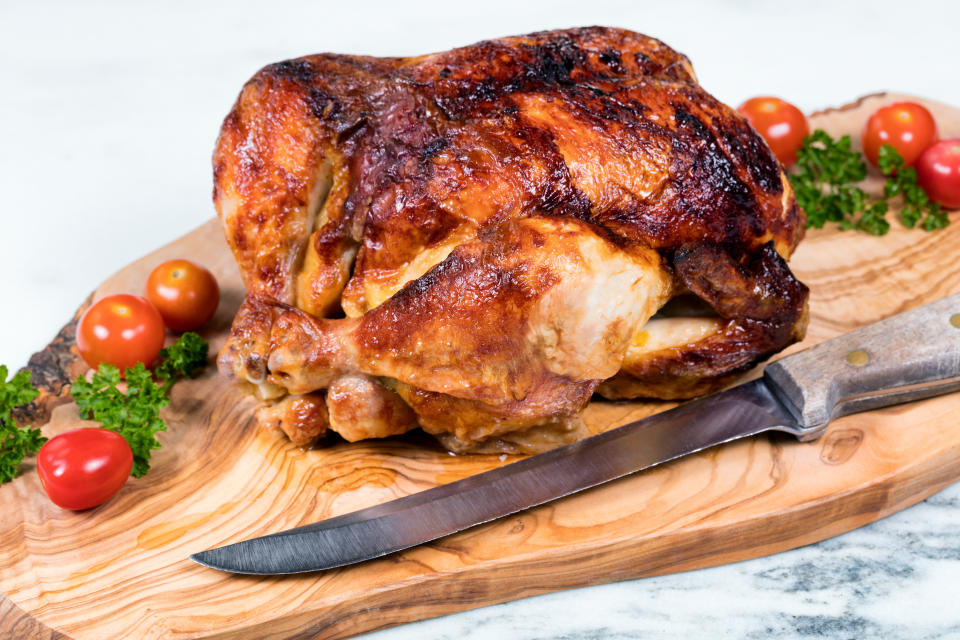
477 241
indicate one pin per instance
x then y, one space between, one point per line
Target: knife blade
906 357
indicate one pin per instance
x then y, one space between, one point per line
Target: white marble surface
893 579
108 112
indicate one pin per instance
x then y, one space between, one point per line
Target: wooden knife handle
909 356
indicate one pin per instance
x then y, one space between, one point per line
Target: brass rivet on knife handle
921 358
858 357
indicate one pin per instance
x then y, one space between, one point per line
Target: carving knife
906 357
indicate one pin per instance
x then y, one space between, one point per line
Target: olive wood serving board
121 570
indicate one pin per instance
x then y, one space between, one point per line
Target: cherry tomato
780 123
121 330
938 172
84 468
906 126
185 293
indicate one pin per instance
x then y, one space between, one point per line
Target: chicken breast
479 240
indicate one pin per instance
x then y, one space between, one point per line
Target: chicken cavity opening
685 319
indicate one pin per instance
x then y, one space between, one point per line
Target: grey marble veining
895 578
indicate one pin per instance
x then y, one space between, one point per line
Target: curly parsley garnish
902 180
825 182
135 413
15 442
182 359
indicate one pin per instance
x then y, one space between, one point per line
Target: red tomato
185 293
938 172
84 468
906 126
121 330
780 123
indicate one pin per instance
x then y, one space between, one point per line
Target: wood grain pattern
15 623
121 570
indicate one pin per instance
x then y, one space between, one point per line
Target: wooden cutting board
121 570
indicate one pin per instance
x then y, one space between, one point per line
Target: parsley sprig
902 180
182 359
15 442
134 412
825 181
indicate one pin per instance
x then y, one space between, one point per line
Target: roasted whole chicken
477 241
